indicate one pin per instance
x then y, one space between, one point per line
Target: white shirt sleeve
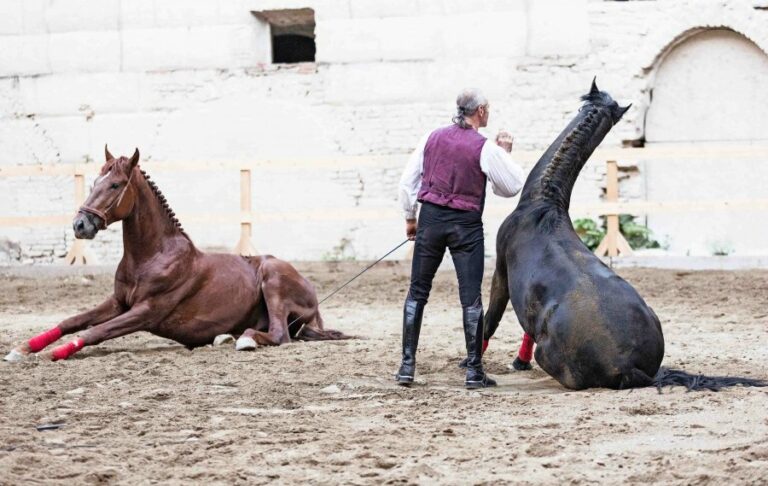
506 176
410 181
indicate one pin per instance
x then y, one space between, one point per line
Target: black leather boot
412 314
473 333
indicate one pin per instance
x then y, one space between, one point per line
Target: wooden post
614 242
77 254
244 246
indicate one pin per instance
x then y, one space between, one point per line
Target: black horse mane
557 180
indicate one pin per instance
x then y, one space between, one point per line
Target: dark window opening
292 34
290 48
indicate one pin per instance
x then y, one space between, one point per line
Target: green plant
589 232
637 235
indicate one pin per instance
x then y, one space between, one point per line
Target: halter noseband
103 214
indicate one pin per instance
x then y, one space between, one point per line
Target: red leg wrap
66 350
485 345
39 342
526 349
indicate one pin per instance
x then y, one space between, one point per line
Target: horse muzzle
86 225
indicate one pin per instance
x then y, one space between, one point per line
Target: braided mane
163 202
566 164
551 181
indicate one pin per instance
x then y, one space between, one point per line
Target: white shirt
506 177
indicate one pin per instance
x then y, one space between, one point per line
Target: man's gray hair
467 103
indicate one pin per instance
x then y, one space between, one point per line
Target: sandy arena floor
144 410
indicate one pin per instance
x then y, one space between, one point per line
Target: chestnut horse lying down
166 286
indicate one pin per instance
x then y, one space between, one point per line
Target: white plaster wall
190 80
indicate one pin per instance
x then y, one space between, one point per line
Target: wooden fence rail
613 244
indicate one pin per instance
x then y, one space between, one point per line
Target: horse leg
313 329
497 303
523 360
278 322
136 319
247 340
278 332
105 311
551 358
310 328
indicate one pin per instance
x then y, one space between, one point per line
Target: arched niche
709 88
712 85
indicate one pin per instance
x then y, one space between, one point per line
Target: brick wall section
191 80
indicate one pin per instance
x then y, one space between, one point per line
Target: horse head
603 102
112 196
602 113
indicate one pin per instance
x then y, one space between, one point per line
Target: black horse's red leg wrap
526 349
39 342
485 345
66 350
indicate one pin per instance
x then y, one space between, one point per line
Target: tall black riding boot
412 314
473 333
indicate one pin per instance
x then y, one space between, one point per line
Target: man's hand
505 140
410 229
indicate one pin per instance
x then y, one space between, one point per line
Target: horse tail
670 377
634 378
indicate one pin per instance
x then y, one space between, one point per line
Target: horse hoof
14 357
223 339
245 344
520 365
403 380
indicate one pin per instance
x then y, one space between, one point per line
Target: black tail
668 377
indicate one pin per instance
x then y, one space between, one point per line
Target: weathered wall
191 80
729 74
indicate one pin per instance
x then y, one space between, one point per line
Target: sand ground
143 410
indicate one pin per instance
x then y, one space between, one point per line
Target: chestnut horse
166 286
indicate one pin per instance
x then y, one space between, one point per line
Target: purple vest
451 175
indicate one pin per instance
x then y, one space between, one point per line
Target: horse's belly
223 307
195 332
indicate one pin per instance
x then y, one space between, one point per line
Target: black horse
591 327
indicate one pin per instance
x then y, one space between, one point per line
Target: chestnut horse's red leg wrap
66 350
526 349
39 342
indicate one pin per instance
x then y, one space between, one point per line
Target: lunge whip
351 280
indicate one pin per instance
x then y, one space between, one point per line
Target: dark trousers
462 233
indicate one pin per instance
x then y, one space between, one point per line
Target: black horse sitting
591 327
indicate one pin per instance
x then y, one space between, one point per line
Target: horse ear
625 109
135 158
593 89
107 155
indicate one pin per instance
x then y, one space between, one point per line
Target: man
447 174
